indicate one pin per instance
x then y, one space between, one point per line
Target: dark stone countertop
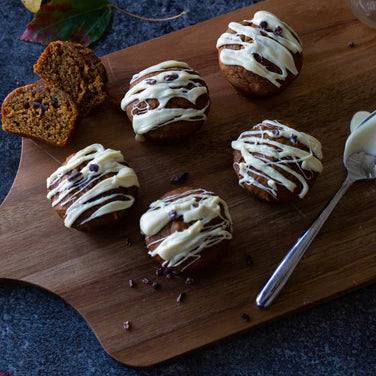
42 335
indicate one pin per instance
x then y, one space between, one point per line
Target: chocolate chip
275 132
132 283
179 178
146 281
183 177
128 242
55 102
189 281
158 272
172 214
39 105
278 30
170 77
93 167
180 297
351 44
151 81
294 139
74 175
156 286
263 25
249 260
168 273
127 325
245 317
258 58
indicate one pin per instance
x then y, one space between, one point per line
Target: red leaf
81 21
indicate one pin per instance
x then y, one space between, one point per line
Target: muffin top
274 154
89 179
163 82
249 43
198 218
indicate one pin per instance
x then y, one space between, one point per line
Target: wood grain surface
91 271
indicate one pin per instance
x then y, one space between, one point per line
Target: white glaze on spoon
362 136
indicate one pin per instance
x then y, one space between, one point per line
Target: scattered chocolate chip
278 30
158 272
179 178
275 132
55 102
93 167
128 242
172 214
38 105
170 77
146 281
74 175
132 283
156 286
151 81
263 25
294 138
351 44
166 271
245 317
249 260
180 297
183 177
189 281
126 325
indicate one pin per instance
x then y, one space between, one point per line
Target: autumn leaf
80 21
32 5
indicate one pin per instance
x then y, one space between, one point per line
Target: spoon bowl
361 166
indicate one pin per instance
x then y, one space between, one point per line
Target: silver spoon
359 166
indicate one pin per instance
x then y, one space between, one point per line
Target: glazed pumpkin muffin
261 56
76 70
40 112
166 102
275 162
93 188
187 230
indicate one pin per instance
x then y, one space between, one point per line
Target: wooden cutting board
91 271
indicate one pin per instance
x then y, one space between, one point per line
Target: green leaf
80 21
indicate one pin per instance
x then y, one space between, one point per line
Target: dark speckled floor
41 335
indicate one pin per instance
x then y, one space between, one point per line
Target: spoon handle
280 276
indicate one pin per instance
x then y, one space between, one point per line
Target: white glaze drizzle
278 49
71 191
362 136
253 142
163 90
198 208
